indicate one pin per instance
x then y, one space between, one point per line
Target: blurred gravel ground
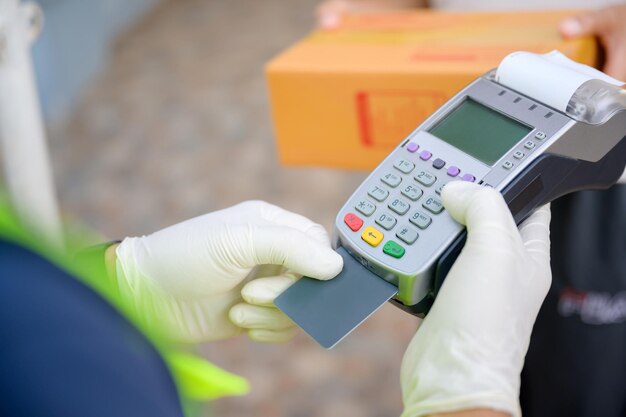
179 125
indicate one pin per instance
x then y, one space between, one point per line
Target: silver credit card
329 310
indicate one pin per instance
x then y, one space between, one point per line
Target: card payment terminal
396 238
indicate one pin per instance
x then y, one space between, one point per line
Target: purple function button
439 163
425 155
412 147
453 171
468 177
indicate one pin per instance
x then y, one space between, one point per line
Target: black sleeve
65 352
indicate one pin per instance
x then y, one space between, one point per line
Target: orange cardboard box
344 98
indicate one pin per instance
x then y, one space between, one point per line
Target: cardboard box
345 98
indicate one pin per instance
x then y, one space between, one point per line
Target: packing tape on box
551 78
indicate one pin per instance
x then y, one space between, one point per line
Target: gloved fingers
272 336
263 271
281 217
483 211
535 232
263 291
254 210
250 316
281 245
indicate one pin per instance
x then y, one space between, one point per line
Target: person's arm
466 358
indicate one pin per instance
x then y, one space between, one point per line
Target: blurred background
157 111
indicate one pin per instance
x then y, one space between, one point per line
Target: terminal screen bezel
480 131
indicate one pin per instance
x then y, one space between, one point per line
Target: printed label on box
385 117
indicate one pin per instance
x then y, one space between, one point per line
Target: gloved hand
469 351
185 280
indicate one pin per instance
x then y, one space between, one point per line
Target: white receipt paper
551 78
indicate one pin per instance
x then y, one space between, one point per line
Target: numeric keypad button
420 219
404 165
365 207
434 205
425 178
391 179
399 206
412 192
386 221
407 234
378 193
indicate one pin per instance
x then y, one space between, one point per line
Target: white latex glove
184 280
469 350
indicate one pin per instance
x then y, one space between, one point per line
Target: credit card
329 310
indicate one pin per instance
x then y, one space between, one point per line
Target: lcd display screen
480 131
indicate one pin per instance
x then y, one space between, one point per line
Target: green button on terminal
391 248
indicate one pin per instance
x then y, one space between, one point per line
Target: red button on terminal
353 221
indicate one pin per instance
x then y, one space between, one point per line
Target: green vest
196 379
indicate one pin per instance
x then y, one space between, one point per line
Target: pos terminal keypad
402 203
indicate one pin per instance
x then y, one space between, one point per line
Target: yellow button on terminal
372 236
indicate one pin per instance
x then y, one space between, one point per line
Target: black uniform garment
65 352
576 363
